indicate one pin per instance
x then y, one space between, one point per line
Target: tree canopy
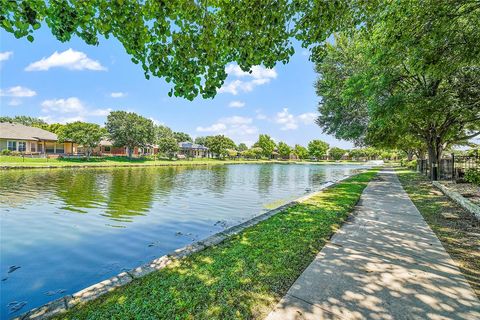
182 137
189 43
318 148
219 145
88 135
266 144
284 150
128 129
411 78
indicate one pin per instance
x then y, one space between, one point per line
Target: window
60 148
22 146
33 147
12 145
107 149
49 147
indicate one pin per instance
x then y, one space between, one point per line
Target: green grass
460 237
14 161
242 277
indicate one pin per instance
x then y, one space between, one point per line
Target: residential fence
451 168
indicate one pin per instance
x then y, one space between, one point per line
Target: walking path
384 264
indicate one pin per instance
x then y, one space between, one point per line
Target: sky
65 82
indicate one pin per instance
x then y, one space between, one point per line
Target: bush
16 153
473 175
6 152
412 165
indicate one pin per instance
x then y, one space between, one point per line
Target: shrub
410 164
6 152
472 175
16 153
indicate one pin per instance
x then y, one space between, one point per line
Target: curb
92 292
459 199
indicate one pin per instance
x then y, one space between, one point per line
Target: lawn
460 237
240 278
13 161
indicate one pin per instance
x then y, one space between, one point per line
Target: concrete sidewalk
384 264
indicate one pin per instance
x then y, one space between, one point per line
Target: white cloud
214 128
118 94
289 121
69 110
236 104
18 92
156 122
259 75
15 102
68 105
69 59
236 127
4 56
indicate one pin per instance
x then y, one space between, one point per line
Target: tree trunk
88 153
130 152
435 149
410 155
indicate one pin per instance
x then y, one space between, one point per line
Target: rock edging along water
459 199
92 292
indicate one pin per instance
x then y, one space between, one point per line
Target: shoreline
18 166
67 302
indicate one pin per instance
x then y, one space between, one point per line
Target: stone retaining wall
61 305
459 199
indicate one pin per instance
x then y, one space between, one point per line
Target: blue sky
63 82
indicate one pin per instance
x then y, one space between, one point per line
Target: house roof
20 132
106 143
191 145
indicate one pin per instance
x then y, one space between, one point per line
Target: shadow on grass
242 277
460 236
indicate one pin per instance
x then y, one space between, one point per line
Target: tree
266 144
253 153
219 145
182 137
168 145
26 121
242 147
284 150
163 132
55 127
336 153
317 149
189 43
88 135
300 151
201 140
381 86
128 129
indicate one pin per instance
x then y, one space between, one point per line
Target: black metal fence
452 168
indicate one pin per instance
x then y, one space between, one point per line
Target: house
192 150
106 148
30 140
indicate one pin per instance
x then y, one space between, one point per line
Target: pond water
65 229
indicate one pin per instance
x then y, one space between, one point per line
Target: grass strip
459 236
13 161
242 277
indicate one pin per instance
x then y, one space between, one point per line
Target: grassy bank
460 236
242 277
14 162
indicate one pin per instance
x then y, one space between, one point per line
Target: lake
65 229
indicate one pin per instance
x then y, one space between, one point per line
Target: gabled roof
191 145
20 132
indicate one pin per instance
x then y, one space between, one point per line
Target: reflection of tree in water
265 178
25 187
316 177
80 189
130 193
216 179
